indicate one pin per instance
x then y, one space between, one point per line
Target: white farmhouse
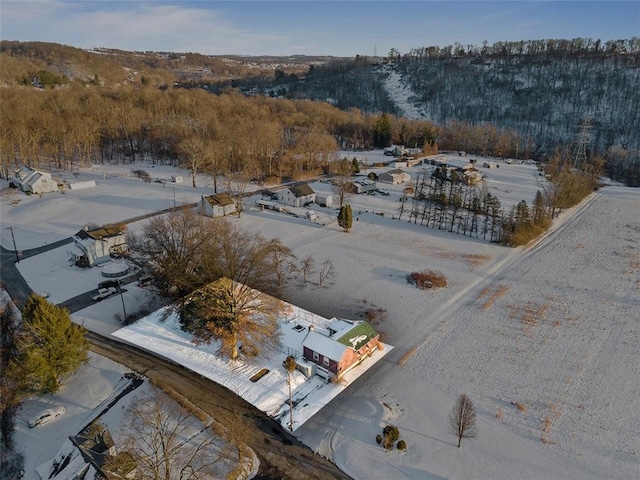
34 181
297 196
394 176
92 247
364 185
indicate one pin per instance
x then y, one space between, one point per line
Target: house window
316 357
325 361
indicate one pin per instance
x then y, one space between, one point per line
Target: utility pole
124 320
14 245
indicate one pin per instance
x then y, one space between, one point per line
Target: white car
103 293
46 416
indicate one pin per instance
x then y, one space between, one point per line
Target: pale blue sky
339 28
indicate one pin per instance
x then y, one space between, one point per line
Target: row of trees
551 47
445 201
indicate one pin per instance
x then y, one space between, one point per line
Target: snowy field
544 339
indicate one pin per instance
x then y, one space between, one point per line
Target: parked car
108 283
104 293
46 416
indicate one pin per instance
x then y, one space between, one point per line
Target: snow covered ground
543 338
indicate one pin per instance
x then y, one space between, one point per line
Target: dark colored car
108 283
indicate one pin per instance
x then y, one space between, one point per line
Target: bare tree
168 443
342 182
280 256
290 365
307 267
326 272
462 419
173 245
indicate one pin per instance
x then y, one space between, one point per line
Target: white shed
218 205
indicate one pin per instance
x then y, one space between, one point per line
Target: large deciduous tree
234 314
174 246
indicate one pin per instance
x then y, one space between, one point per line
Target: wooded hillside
518 99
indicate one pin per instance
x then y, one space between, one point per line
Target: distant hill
543 89
20 61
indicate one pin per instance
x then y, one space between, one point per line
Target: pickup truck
103 293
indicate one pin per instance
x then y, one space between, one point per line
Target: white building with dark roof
296 196
34 181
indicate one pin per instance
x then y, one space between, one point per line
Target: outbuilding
218 205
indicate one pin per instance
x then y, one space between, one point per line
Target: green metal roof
358 335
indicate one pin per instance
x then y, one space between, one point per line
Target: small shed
395 176
218 205
177 179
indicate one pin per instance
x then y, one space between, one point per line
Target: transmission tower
583 141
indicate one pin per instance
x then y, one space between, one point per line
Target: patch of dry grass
530 313
375 315
406 356
427 279
499 292
475 260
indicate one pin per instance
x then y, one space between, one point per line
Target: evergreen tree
355 166
345 218
49 346
383 131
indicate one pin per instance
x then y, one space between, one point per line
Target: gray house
218 205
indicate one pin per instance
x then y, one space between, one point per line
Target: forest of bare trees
64 108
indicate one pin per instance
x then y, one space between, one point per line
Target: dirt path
281 456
